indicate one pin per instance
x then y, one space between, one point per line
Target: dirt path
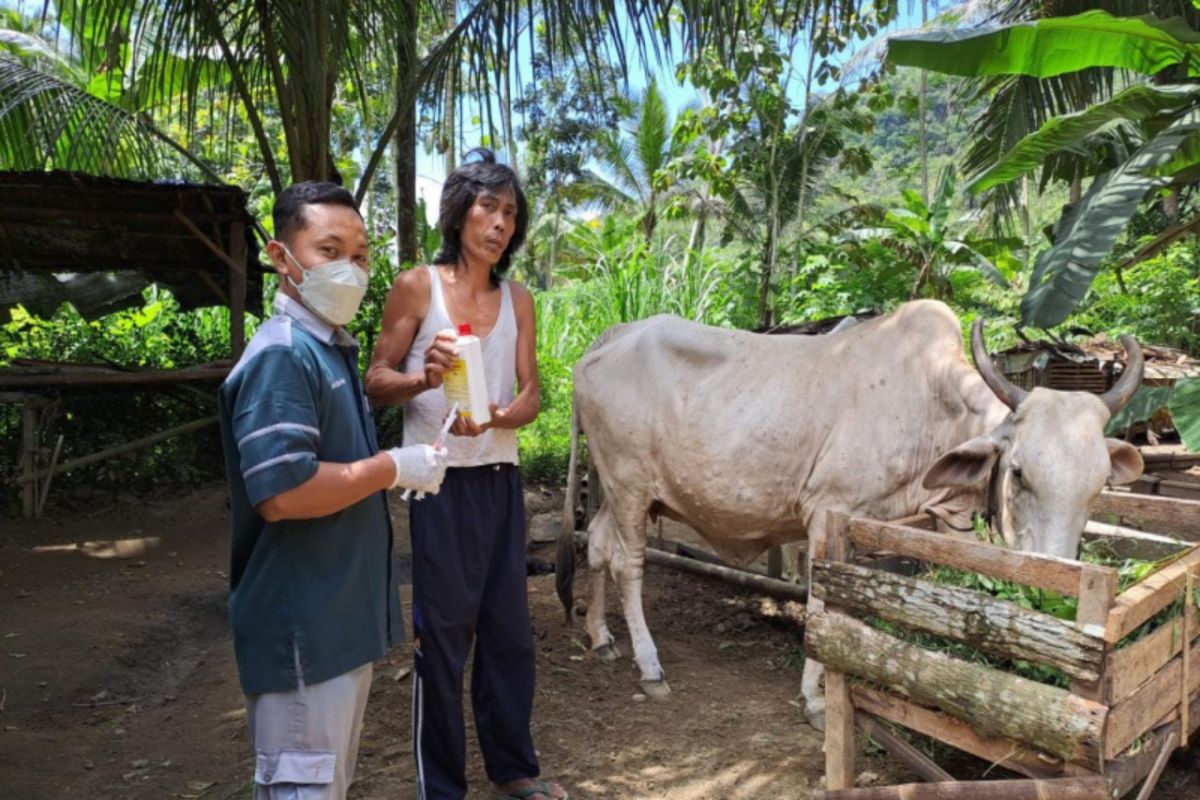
117 678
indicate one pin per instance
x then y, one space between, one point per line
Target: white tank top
423 415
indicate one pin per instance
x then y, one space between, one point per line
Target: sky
431 166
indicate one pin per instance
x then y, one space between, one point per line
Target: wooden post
237 290
840 745
1097 591
1189 600
29 420
775 562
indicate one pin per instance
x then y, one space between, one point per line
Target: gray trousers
306 739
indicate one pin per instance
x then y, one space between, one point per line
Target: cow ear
966 465
1126 461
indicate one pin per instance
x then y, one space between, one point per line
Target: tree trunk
764 289
406 141
921 116
988 624
992 702
1026 221
449 119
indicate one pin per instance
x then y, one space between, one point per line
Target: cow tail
564 572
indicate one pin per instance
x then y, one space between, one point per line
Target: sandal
526 792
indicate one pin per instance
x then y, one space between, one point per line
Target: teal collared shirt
309 599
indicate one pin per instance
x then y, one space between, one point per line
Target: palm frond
652 133
48 123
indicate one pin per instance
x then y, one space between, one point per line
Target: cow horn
1127 385
1002 386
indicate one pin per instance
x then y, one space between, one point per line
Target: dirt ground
117 677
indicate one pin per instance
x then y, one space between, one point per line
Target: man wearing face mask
313 601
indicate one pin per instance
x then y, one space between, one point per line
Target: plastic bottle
465 382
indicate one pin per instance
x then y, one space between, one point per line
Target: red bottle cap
464 330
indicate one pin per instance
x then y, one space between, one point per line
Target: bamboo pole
128 447
770 587
49 476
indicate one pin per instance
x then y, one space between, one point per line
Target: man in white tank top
468 541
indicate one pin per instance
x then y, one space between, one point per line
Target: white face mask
333 291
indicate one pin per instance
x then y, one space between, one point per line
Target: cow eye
1018 474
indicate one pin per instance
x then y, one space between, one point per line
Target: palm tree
289 59
634 158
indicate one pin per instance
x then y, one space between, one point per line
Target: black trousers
468 544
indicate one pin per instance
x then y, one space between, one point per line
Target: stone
543 528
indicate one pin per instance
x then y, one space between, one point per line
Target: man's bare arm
528 403
406 306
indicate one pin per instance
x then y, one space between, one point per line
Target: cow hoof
816 719
658 690
608 652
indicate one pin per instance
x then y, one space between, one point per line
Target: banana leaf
1133 104
1053 46
1089 229
1144 405
1185 412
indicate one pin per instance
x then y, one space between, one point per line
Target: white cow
751 439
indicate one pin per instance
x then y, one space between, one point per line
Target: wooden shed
96 243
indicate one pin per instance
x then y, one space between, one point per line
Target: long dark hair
462 188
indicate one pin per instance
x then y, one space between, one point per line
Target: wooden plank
1093 788
1151 702
901 749
1170 461
237 290
1143 600
926 522
1126 771
1131 666
840 746
984 622
1159 514
1006 753
1097 589
993 702
154 376
1044 572
216 249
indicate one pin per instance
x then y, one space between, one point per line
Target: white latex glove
419 467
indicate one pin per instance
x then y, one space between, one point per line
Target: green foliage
1088 230
158 335
1053 46
924 235
1158 300
1185 411
1163 119
1134 104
